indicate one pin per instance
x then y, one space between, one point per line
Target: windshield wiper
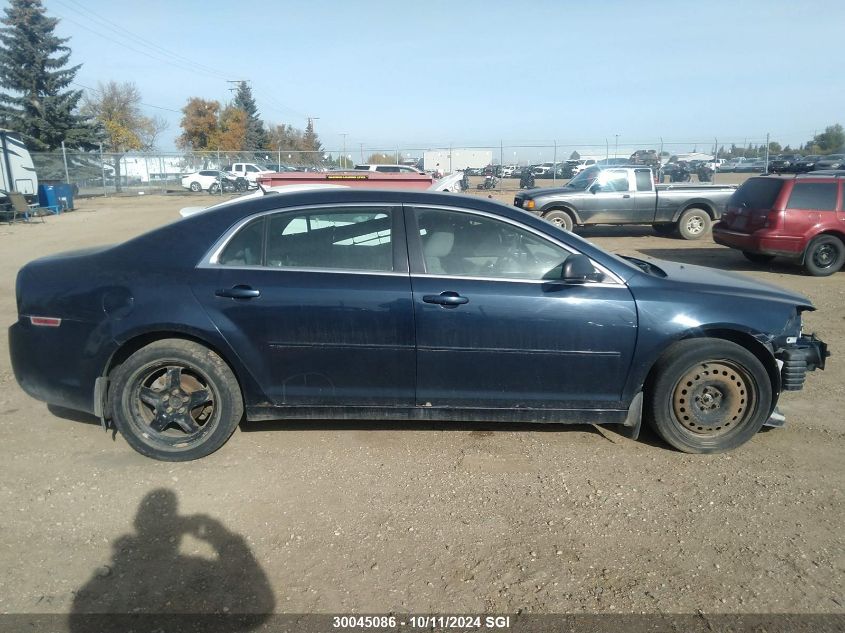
646 267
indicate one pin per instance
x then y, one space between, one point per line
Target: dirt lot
336 517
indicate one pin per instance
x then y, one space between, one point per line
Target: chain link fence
98 173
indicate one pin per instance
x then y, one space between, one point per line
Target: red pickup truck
798 217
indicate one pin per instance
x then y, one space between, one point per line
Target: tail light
772 219
45 321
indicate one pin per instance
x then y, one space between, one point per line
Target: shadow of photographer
150 581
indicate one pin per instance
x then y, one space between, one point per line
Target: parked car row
784 164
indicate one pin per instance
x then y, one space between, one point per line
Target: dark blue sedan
362 304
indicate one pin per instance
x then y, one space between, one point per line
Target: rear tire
708 396
195 186
175 400
758 258
694 223
824 256
560 219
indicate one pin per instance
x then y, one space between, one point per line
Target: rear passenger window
353 239
819 196
643 180
244 249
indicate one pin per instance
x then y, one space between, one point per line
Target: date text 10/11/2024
421 621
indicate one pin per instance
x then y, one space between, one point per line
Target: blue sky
431 73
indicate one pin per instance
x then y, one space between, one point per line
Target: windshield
583 180
834 157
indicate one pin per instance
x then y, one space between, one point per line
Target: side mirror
595 187
577 267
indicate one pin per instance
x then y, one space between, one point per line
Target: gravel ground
420 518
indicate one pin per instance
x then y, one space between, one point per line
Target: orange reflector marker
45 321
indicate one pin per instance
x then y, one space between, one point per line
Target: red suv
799 217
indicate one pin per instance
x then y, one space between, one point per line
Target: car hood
709 280
548 191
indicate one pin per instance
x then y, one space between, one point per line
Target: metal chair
21 209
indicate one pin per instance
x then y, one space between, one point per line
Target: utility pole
616 146
362 152
767 153
236 84
64 158
343 159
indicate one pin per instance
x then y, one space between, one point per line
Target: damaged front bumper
805 353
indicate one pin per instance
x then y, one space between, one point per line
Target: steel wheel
560 219
713 397
825 255
708 395
694 223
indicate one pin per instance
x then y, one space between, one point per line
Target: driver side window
613 181
468 245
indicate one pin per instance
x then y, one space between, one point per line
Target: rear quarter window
819 196
757 193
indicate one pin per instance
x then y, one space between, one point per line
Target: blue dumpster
48 198
64 192
55 195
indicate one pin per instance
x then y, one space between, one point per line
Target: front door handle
238 292
627 195
448 299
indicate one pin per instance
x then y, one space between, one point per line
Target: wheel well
569 210
743 340
698 205
142 340
833 232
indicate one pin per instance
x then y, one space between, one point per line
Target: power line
139 39
148 105
165 56
151 54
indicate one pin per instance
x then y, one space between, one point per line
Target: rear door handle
238 292
448 299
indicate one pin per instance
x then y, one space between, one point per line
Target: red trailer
371 179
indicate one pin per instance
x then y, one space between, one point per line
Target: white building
151 168
457 159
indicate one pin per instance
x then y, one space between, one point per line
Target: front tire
560 219
175 400
825 255
708 396
214 188
694 223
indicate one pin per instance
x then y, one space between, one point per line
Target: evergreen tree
34 79
256 135
311 143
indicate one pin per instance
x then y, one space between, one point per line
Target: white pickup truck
250 171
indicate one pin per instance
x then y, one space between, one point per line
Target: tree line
209 126
40 99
